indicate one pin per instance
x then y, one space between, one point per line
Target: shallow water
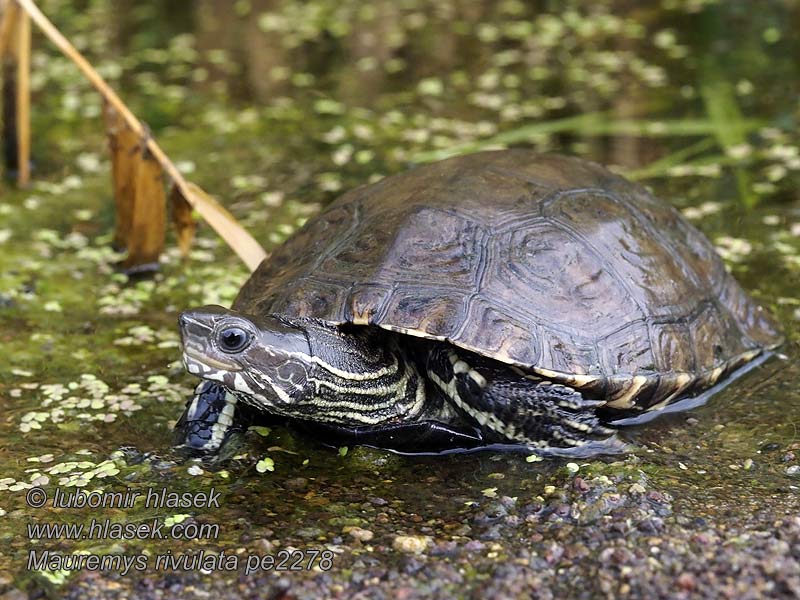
698 100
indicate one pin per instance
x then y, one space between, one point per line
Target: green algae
92 384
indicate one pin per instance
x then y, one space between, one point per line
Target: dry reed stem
23 105
10 10
248 249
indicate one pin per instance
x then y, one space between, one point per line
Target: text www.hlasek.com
108 529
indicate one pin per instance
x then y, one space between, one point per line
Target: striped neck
359 376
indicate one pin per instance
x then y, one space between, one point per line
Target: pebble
686 581
770 447
413 544
298 484
474 546
362 535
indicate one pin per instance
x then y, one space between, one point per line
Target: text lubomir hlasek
154 498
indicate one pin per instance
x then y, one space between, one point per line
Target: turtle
501 298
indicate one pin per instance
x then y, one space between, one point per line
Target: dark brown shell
545 262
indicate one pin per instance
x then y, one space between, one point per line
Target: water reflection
434 75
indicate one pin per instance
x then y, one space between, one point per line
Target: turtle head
297 367
267 359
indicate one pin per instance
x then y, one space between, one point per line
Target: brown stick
10 11
23 99
248 249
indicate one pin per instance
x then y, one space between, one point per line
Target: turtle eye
233 339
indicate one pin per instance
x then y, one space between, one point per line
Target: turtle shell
550 263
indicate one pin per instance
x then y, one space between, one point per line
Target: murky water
277 107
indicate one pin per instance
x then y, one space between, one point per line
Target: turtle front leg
211 418
510 407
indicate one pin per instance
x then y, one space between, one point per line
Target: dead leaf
124 146
148 222
185 226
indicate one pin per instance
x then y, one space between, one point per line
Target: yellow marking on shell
579 381
548 374
749 355
519 371
360 316
425 326
715 374
403 330
661 404
418 333
681 382
625 398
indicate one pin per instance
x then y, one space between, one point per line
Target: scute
558 278
546 262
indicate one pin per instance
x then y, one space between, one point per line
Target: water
278 107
